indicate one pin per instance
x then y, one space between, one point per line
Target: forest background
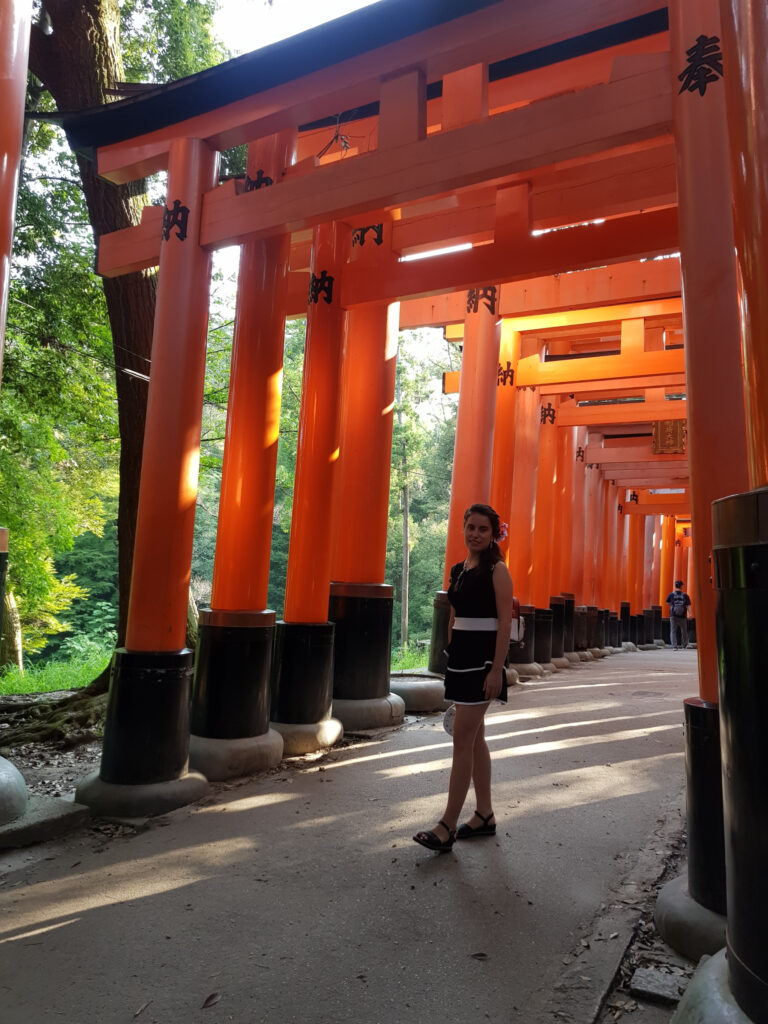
68 363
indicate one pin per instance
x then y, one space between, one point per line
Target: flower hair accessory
503 531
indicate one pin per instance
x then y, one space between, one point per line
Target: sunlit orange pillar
648 523
15 20
544 539
473 446
561 561
717 450
527 426
592 525
656 569
146 736
303 657
503 462
635 564
609 566
679 553
667 572
473 449
578 515
361 602
231 689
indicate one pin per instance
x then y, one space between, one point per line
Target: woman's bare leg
469 719
481 777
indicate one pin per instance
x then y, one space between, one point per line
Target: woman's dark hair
492 554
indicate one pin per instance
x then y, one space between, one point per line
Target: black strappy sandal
432 842
466 831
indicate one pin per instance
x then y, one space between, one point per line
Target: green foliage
164 40
58 429
422 457
410 657
56 675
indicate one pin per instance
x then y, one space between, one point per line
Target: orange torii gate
484 121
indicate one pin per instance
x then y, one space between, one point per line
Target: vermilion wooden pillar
473 451
503 463
15 20
647 561
656 569
667 574
592 523
527 426
545 538
473 447
713 358
361 602
560 580
609 575
146 736
230 704
303 658
577 514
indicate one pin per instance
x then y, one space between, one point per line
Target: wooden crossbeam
571 415
625 453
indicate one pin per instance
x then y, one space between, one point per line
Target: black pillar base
362 614
542 650
614 630
592 627
569 605
557 605
146 734
624 617
704 797
523 654
302 672
580 627
440 618
656 609
231 689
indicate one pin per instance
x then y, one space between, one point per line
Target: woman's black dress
473 645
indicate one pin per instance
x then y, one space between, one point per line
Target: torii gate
481 121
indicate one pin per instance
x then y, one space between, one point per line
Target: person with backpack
678 602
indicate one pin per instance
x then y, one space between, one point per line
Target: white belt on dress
465 622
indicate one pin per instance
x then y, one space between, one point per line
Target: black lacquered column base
440 617
557 605
524 654
146 735
231 690
362 613
656 609
624 618
580 627
542 651
704 800
302 672
569 605
740 548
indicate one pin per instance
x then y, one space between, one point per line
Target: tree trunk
78 62
10 641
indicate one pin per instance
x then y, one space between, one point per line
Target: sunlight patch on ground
135 879
526 750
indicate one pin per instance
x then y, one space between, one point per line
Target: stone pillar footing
573 657
686 925
708 998
231 759
420 694
308 737
561 662
112 799
369 713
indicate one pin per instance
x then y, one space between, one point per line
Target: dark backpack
677 603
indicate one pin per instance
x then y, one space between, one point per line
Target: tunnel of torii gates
610 390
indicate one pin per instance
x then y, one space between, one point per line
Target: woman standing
480 594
